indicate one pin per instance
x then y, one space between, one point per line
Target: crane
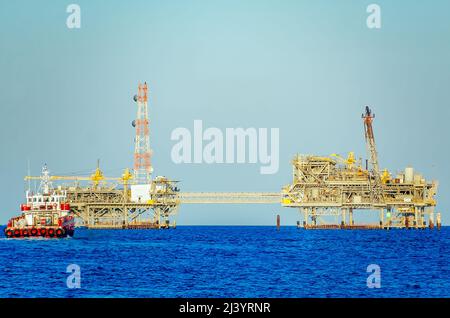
370 140
95 178
377 189
349 162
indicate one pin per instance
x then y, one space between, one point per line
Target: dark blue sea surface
227 261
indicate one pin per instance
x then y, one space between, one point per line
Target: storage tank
409 175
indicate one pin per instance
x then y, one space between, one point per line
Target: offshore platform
322 188
133 201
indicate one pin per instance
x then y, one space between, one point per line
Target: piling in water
438 221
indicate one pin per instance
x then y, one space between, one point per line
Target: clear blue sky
306 67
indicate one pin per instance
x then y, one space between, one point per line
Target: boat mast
46 184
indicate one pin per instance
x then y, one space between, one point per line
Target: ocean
229 261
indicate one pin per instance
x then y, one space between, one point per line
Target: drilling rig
325 187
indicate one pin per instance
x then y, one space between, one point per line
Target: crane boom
95 178
370 140
377 193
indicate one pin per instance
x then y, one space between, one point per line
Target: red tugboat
45 214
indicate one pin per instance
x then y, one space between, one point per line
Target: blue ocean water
201 261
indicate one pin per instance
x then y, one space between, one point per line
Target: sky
305 67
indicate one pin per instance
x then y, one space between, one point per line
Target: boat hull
65 227
45 232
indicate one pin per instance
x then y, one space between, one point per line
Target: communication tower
142 152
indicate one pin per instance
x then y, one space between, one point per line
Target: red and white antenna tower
142 152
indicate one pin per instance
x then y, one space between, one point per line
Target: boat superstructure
44 214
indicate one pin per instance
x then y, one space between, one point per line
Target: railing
230 197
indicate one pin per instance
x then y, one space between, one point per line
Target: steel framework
142 151
108 207
324 186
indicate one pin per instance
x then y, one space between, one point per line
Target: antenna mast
142 152
46 184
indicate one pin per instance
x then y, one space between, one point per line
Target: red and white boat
46 214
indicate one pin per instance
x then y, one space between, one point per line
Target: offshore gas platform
332 186
133 201
323 187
